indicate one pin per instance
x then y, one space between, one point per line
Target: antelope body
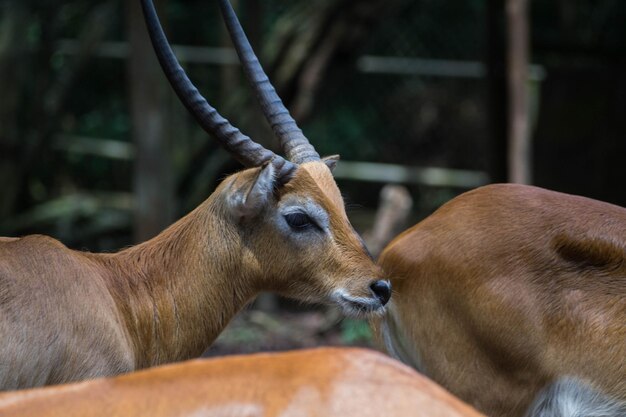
278 226
514 299
329 382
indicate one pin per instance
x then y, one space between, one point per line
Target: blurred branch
184 53
105 148
351 170
391 65
67 207
400 174
306 41
391 217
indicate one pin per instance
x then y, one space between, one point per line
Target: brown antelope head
287 214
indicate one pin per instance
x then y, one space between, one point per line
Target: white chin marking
356 306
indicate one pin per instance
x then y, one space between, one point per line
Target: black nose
382 291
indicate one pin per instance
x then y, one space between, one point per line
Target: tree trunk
519 149
153 178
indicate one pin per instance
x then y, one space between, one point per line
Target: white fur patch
569 397
303 402
356 306
396 343
229 410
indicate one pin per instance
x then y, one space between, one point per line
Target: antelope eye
298 220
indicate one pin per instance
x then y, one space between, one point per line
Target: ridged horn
293 142
240 146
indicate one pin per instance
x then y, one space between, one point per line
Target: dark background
96 151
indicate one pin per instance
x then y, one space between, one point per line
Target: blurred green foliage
355 332
405 119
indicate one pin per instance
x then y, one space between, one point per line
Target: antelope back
327 382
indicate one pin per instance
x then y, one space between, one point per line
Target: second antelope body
514 298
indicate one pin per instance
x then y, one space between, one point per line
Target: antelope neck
178 291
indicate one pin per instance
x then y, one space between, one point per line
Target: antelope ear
248 201
331 161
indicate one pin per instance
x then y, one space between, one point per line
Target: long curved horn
244 149
295 145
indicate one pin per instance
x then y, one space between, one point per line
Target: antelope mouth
357 306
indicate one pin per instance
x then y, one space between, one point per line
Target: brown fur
507 288
329 382
67 315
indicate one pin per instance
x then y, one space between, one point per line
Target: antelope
279 225
514 298
329 382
